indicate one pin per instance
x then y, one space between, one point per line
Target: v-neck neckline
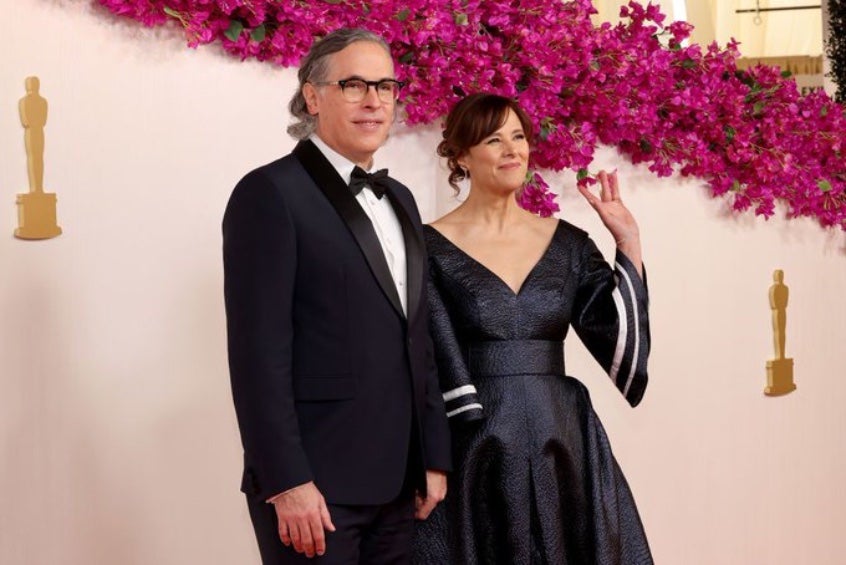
490 271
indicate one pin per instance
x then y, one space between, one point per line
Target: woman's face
500 160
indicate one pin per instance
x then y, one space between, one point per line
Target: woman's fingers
614 183
589 196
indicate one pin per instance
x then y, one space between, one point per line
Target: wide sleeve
459 393
259 264
610 315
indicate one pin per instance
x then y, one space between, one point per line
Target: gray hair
314 68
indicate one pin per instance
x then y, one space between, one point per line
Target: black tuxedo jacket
331 381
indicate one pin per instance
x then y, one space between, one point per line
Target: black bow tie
378 181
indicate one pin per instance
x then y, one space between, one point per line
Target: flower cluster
536 196
637 85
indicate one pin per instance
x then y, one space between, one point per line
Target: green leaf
594 65
786 74
406 58
258 34
689 64
333 1
823 111
403 14
234 31
758 108
645 146
823 185
582 174
730 133
735 186
460 18
171 12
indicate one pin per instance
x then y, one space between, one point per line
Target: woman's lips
514 165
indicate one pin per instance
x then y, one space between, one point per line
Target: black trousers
364 535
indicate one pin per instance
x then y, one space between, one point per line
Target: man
330 359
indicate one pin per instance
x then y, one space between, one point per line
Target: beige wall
118 442
796 32
782 33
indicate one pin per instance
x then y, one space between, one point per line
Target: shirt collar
342 165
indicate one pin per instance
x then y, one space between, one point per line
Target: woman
535 480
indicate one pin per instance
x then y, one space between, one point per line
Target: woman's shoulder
431 231
552 229
572 238
543 227
436 242
572 230
447 222
444 229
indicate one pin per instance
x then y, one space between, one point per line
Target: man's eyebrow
359 77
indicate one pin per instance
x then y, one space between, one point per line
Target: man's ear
311 98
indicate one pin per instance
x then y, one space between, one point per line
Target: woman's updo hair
469 122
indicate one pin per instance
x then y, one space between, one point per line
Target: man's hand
436 487
303 515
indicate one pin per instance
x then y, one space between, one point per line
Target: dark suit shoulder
262 191
275 173
399 188
272 181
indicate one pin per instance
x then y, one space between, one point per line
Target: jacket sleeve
456 387
436 435
611 317
260 262
435 430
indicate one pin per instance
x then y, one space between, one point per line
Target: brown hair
470 121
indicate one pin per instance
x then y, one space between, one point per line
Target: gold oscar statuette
36 209
780 369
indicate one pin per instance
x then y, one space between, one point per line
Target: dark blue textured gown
535 481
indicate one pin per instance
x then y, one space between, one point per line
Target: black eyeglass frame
368 83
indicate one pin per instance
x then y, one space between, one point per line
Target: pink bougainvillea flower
636 85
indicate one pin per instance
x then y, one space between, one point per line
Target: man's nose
371 97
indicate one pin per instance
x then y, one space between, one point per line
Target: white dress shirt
381 215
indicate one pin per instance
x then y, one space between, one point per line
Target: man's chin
371 145
374 138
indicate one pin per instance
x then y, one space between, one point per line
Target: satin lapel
330 183
414 255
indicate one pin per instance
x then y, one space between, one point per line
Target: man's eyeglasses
355 89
